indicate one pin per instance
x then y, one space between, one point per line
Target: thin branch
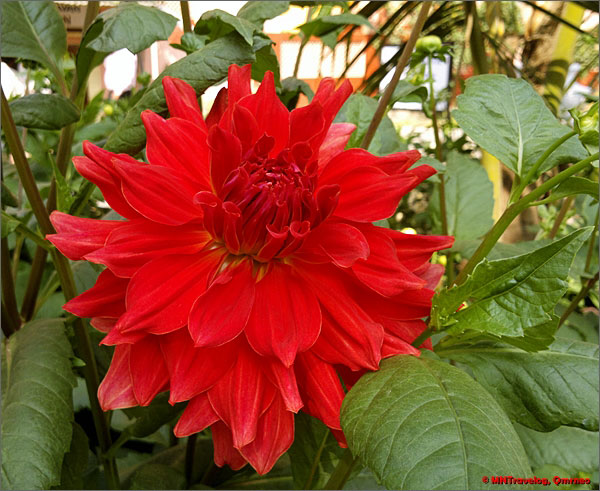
185 16
575 302
402 62
9 299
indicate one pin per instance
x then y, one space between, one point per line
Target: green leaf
506 117
150 418
573 449
64 197
201 69
266 59
328 27
218 23
8 198
290 91
11 224
359 110
510 295
423 424
570 187
541 390
75 461
469 198
190 42
157 476
258 12
407 92
37 410
131 26
314 453
44 111
34 31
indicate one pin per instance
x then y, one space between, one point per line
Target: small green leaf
407 92
150 418
570 187
258 12
37 410
423 424
8 198
75 461
290 91
359 110
508 118
266 59
34 31
218 23
469 198
541 390
201 69
131 26
44 111
190 42
328 27
573 449
314 453
510 295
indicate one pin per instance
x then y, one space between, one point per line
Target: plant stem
425 335
590 252
513 211
516 193
190 457
303 43
402 61
83 343
9 299
342 471
580 296
564 208
33 283
185 16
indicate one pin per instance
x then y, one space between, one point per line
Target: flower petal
149 374
197 416
286 317
221 313
285 379
105 299
335 141
225 453
226 155
416 250
116 390
182 101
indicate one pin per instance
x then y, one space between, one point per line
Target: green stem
185 16
402 61
516 193
300 50
315 463
590 251
564 208
9 299
425 335
33 283
513 211
190 457
580 296
342 471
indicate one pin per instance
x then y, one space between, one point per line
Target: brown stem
590 251
566 204
580 296
185 16
9 299
33 284
402 61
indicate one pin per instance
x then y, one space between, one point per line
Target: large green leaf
34 31
542 390
258 12
327 27
157 476
201 69
359 110
131 26
506 117
422 424
469 198
75 461
217 23
37 408
314 453
573 449
510 295
44 111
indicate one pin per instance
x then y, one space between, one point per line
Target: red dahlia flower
247 277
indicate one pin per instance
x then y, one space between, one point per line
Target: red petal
320 388
238 82
340 242
431 274
179 145
306 124
286 317
116 390
226 155
332 100
272 116
218 109
238 398
225 453
77 237
197 416
182 101
382 271
416 250
104 324
194 370
162 292
149 373
274 436
285 379
105 299
133 244
335 141
396 346
158 193
221 313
